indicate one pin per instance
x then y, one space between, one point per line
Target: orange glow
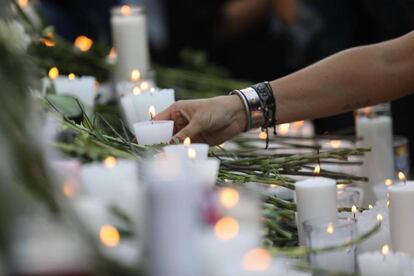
367 111
298 124
126 10
227 228
135 75
48 42
229 197
53 73
69 189
112 54
263 135
330 228
144 85
388 182
385 250
257 259
340 187
401 177
110 162
109 236
284 129
136 90
151 111
335 143
71 76
23 3
370 206
83 43
187 141
317 170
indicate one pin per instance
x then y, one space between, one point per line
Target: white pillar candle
378 164
154 132
380 264
82 88
401 198
174 223
128 110
129 32
315 198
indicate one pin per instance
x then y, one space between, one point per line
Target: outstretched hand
210 121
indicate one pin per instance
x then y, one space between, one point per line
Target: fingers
191 130
165 114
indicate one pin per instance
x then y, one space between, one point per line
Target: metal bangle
246 107
255 107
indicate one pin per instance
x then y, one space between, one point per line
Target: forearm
346 81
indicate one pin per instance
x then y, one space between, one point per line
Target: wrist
238 111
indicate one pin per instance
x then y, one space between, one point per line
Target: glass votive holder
322 233
349 196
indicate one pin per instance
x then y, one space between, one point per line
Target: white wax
401 207
154 132
376 264
174 223
136 107
206 171
82 88
315 199
182 150
378 164
129 34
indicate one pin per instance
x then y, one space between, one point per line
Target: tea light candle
154 132
82 88
129 32
401 198
182 150
384 263
315 199
378 164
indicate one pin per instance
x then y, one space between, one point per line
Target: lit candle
129 32
182 150
82 88
378 164
384 263
401 198
315 198
153 132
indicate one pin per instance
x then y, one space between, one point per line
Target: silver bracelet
246 107
252 106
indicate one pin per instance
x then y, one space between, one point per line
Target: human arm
343 82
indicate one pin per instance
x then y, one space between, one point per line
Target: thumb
191 130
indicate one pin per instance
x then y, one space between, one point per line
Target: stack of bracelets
260 106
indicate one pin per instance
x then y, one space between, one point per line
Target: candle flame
48 42
71 76
187 141
53 73
401 177
112 53
109 236
135 75
388 182
144 85
385 250
136 90
335 143
354 210
23 3
379 218
263 135
126 10
229 197
284 129
110 162
370 206
330 228
69 189
83 43
227 228
367 111
151 111
192 154
340 187
257 259
317 170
